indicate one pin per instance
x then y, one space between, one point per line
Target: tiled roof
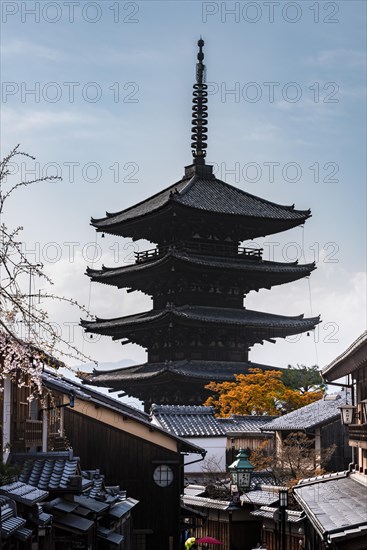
244 423
91 504
273 324
9 524
51 473
199 421
268 512
122 507
60 505
264 478
210 195
76 523
204 502
148 205
187 421
9 521
217 196
23 493
349 361
194 490
317 413
335 505
23 534
260 497
59 383
237 263
202 370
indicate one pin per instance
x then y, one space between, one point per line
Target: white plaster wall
215 457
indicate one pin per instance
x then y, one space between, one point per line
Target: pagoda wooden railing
203 248
358 435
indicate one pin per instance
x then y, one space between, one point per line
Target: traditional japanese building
197 274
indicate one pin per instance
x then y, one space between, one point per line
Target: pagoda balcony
212 249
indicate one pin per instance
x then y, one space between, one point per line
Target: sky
100 93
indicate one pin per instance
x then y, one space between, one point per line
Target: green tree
303 379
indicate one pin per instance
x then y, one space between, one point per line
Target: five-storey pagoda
197 275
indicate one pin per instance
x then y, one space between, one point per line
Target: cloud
338 57
89 122
112 56
343 315
23 48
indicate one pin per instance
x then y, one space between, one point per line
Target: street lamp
283 503
347 414
241 470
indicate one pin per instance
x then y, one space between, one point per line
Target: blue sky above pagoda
111 110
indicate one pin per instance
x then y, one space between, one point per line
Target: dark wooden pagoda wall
129 461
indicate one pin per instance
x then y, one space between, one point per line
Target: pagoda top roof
206 314
205 193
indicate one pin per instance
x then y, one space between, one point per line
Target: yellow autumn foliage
258 393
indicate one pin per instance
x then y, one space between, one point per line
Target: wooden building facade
144 459
336 504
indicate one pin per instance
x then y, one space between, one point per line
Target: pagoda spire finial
199 128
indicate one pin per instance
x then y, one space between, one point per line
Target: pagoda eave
254 327
149 226
249 274
170 382
196 369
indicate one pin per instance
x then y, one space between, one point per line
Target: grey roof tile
245 423
215 195
122 507
49 474
194 490
204 502
293 516
187 421
335 505
349 361
11 525
23 493
209 194
199 421
260 497
320 412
